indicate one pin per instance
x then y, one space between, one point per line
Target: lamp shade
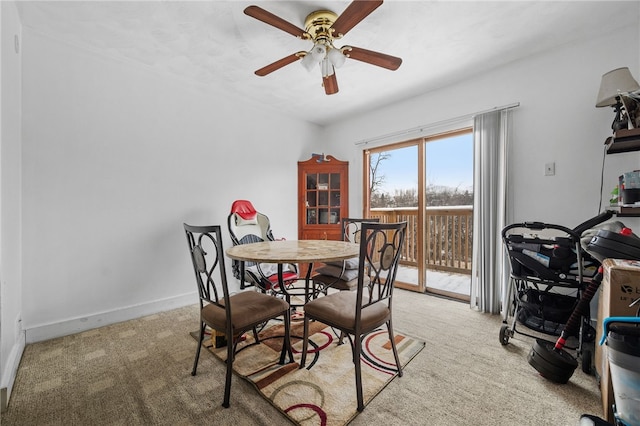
336 57
308 62
318 52
613 84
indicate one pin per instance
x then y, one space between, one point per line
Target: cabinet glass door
323 198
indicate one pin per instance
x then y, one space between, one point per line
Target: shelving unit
622 211
623 141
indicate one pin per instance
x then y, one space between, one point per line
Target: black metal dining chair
221 311
357 313
342 274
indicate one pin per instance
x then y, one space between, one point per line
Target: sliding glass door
429 183
393 188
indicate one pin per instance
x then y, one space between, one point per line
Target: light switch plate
550 169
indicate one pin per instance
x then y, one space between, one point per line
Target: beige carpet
138 373
323 393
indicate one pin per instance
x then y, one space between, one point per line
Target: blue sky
449 163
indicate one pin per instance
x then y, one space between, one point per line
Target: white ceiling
216 45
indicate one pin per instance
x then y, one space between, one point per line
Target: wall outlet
550 169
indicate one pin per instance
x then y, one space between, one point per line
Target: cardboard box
218 338
620 287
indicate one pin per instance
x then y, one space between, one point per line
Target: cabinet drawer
322 234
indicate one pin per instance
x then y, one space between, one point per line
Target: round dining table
282 252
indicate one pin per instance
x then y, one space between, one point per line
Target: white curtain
490 273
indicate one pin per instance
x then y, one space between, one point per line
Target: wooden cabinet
323 197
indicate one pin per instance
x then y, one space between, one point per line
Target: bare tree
376 179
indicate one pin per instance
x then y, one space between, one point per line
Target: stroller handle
539 226
575 232
588 224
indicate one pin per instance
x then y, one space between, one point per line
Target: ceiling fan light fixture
308 62
336 57
318 52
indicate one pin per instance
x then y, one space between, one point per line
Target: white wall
556 122
115 159
12 338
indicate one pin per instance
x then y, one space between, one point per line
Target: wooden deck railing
448 236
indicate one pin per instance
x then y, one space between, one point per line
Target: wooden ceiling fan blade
330 84
374 58
278 64
269 18
353 14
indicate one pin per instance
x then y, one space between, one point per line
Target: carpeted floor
138 372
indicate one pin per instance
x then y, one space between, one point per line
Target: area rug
324 392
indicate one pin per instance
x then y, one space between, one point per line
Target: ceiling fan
322 27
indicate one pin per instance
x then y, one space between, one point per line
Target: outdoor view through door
429 183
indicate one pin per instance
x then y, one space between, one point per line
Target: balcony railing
448 237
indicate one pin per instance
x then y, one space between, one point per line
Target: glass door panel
429 184
449 199
323 181
335 181
311 199
323 198
394 197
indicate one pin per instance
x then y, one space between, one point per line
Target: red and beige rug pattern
324 392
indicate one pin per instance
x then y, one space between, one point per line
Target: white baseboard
11 370
77 325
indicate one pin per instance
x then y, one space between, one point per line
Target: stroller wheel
505 334
589 333
586 361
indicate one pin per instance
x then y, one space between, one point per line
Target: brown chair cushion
338 309
247 308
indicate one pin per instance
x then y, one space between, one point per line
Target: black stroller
549 272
